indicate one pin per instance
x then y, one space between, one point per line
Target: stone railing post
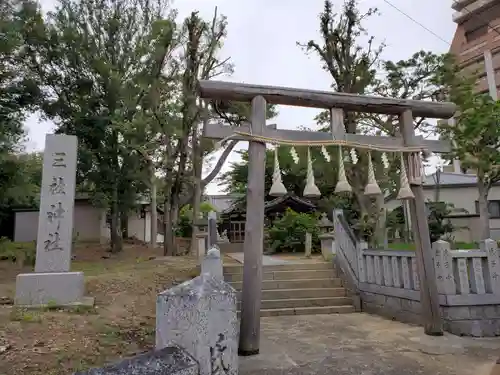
212 263
443 264
491 249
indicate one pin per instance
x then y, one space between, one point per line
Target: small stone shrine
52 282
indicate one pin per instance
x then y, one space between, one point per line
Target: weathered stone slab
477 280
378 269
387 270
491 249
171 360
444 267
463 276
396 279
414 274
370 269
405 268
38 289
55 223
201 316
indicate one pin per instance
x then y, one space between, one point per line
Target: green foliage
184 226
288 233
439 224
24 252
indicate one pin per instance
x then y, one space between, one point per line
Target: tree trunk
115 232
197 156
153 209
484 215
171 213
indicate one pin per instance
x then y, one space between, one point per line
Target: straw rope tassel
372 187
404 189
311 190
342 183
277 188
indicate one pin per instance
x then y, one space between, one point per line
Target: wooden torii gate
257 133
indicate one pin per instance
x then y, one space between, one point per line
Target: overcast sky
262 38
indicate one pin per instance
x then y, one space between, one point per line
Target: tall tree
474 133
96 62
353 68
19 183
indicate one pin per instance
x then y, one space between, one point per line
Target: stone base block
57 288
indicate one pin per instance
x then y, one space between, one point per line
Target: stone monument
52 281
200 316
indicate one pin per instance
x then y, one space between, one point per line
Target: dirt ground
57 342
125 286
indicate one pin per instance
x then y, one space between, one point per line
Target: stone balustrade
387 282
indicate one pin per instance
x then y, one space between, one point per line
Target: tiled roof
447 178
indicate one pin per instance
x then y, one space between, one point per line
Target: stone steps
306 311
296 289
287 303
285 275
292 284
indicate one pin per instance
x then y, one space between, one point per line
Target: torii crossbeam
258 134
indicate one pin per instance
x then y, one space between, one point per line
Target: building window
476 33
237 231
493 208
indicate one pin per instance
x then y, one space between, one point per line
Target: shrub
24 252
184 226
288 233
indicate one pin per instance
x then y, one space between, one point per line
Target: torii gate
257 133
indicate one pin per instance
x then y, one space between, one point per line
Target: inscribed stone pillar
52 282
57 200
200 316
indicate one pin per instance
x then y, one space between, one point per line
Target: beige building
460 190
89 223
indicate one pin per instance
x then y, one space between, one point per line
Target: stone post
212 229
52 281
308 245
212 263
200 316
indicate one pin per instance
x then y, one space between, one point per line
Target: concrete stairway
297 289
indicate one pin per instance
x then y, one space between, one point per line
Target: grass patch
68 339
25 316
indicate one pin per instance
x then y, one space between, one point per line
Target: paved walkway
275 260
362 344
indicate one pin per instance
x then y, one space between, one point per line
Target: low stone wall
396 308
477 321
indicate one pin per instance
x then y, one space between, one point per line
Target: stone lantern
326 237
201 236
